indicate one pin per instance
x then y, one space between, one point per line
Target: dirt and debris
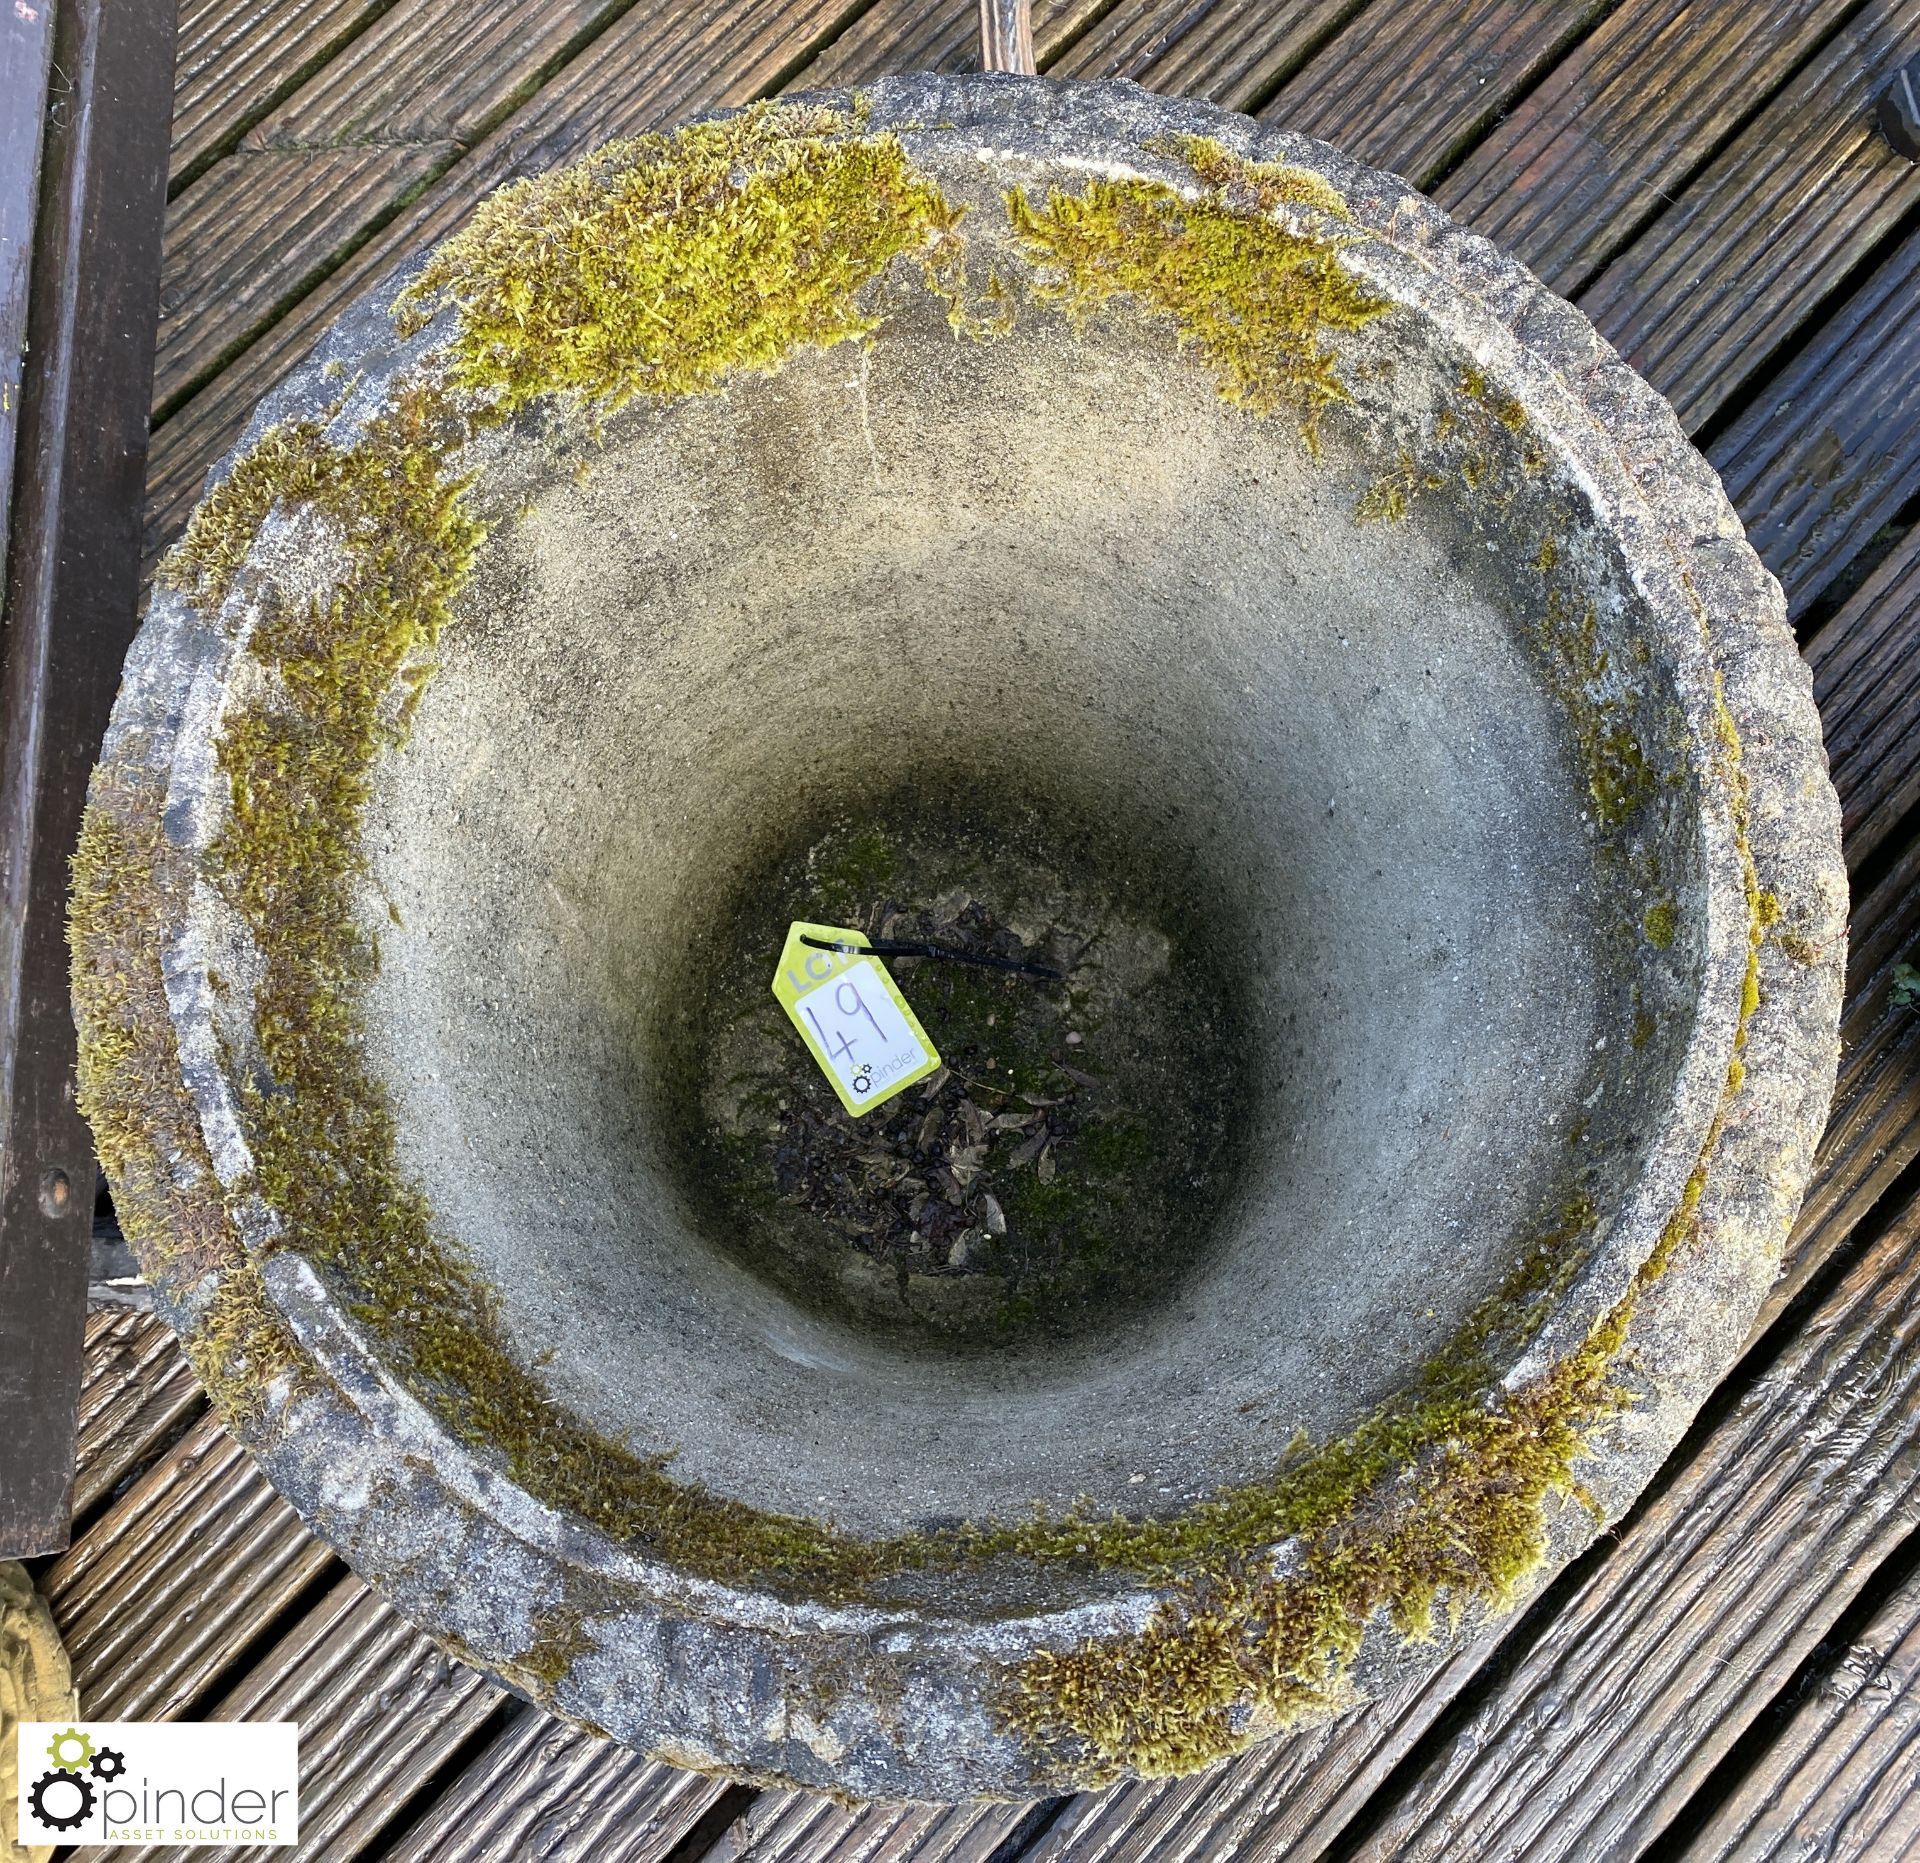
1062 1161
923 1183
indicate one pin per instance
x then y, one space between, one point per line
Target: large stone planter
1214 519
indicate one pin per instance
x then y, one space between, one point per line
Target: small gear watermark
62 1759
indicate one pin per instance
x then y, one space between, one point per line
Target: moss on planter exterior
145 1126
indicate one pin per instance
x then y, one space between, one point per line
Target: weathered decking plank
799 1827
543 1790
234 59
380 1710
1830 450
397 108
256 231
1874 1131
1409 88
137 1385
1601 147
1838 1781
1771 225
1232 52
1866 674
430 71
649 67
1713 1595
177 1578
1286 1800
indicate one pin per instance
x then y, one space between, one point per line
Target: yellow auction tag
850 1015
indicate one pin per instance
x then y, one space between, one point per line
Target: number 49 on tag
854 1021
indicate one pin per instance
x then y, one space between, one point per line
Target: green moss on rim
1254 295
665 264
127 884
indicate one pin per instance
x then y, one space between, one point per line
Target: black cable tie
889 947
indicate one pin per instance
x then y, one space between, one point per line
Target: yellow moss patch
664 264
1236 1654
126 885
1389 497
1619 778
1254 297
1262 186
560 1637
285 465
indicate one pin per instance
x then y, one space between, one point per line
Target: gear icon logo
61 1786
58 1745
108 1764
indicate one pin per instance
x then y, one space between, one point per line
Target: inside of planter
1365 1006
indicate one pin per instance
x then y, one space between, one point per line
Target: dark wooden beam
71 590
26 48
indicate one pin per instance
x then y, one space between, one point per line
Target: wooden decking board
235 58
137 1385
380 1710
647 68
1773 223
799 1827
1837 1782
1409 88
1229 51
1830 451
1866 674
1709 1601
432 71
550 1793
177 1578
396 109
1874 1131
1286 1800
906 35
1598 149
257 231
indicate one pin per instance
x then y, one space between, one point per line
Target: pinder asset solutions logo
160 1782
